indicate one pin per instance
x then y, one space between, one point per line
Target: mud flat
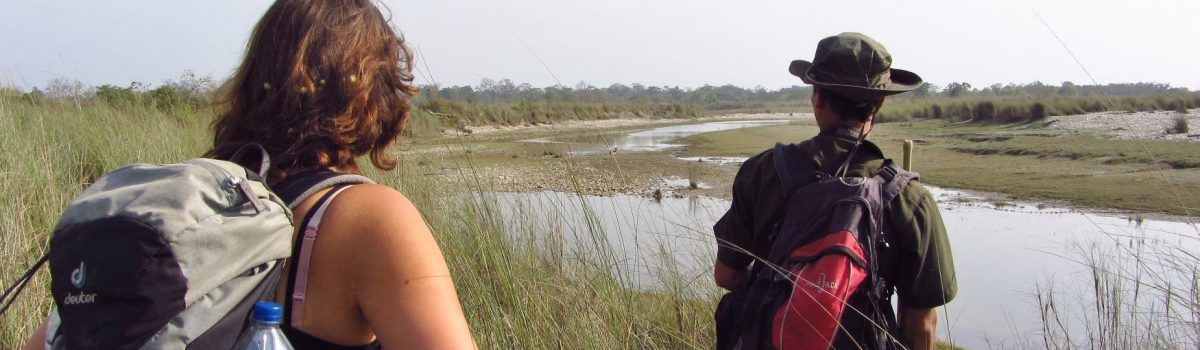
635 157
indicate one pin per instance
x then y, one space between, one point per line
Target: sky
685 43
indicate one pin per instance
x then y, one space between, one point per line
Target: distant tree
925 90
116 96
63 88
190 84
957 89
486 85
1068 89
167 98
1038 88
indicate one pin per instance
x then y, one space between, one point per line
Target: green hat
855 66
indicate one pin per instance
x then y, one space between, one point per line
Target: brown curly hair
322 83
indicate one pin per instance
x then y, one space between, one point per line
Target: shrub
1179 125
985 111
1181 107
1037 111
166 98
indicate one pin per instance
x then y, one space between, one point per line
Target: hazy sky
685 43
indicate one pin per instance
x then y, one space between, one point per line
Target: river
1005 254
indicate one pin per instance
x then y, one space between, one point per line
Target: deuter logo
82 298
79 276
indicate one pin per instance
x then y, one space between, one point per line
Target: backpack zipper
234 182
244 187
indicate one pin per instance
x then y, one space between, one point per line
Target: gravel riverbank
1131 125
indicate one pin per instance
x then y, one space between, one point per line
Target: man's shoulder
916 196
764 160
766 154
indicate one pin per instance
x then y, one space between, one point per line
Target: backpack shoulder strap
293 191
894 179
301 186
794 172
298 283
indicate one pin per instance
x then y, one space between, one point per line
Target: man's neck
841 131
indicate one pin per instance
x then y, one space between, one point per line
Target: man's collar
851 135
841 131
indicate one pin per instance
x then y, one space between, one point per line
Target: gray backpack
166 256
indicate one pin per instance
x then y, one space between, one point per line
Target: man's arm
925 270
728 277
920 325
734 231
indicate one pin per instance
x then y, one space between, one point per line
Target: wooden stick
908 154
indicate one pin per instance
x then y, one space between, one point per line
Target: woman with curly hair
324 83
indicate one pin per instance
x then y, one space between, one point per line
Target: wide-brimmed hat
855 66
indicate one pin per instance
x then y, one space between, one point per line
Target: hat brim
901 81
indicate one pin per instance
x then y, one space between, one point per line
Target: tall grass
1020 109
1145 294
516 289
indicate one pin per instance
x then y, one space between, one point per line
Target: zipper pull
244 187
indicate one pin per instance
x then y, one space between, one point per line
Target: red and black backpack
819 287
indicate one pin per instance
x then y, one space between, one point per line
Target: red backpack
819 287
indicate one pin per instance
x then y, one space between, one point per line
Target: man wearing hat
851 75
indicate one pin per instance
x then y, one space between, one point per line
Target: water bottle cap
268 312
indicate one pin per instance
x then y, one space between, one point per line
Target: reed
1145 294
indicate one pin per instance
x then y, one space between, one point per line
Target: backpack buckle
888 172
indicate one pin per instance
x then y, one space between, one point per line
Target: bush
1179 125
985 111
1181 107
116 96
167 98
1037 111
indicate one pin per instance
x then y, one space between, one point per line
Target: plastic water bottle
265 333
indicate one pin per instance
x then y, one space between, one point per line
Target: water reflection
650 240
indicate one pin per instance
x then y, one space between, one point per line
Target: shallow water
1002 254
656 139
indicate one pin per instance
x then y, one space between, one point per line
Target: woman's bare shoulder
377 218
398 274
376 201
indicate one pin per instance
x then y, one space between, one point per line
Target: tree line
506 102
